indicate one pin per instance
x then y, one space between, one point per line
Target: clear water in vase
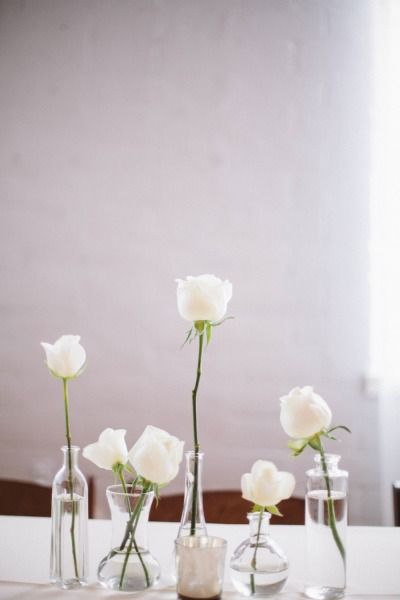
110 569
326 569
250 583
66 512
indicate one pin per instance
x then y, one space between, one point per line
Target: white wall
147 140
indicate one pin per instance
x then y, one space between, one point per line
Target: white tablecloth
373 560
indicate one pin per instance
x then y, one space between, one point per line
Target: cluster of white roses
305 416
156 455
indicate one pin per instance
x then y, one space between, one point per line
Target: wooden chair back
24 498
226 506
396 503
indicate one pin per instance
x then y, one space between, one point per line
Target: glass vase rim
200 453
73 447
218 540
252 514
138 491
330 457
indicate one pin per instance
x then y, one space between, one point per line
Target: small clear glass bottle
129 566
69 520
258 566
193 523
326 524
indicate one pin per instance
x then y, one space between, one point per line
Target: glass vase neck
123 506
74 456
331 461
190 456
259 526
193 489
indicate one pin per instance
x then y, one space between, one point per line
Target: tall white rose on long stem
203 300
306 418
65 360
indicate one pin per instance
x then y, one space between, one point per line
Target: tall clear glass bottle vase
192 521
326 525
69 515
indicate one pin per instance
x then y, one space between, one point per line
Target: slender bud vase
192 521
258 566
69 517
326 524
129 566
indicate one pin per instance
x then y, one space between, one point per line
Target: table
373 560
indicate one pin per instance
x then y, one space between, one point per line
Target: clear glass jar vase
69 519
326 524
129 566
193 521
258 566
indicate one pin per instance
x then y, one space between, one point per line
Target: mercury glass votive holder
200 562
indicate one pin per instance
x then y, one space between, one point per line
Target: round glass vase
69 519
326 524
129 566
258 566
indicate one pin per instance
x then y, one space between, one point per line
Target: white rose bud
203 298
156 456
304 413
66 357
265 485
110 450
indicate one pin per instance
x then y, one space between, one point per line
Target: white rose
156 456
110 450
66 357
304 413
203 298
265 485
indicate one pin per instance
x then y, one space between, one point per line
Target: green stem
70 482
122 480
195 437
133 520
331 505
254 560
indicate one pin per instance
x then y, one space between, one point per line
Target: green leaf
156 490
162 485
297 446
257 508
314 442
208 332
199 326
187 339
134 483
274 510
339 427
